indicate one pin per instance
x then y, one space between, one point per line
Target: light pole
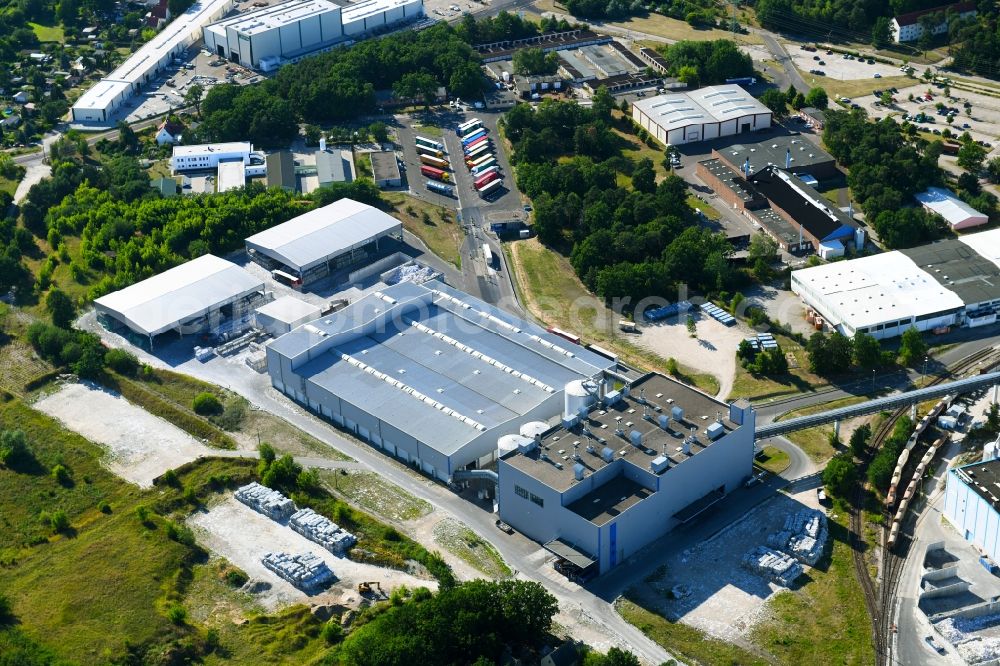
873 381
924 373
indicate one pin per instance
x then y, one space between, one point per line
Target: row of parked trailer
479 157
434 164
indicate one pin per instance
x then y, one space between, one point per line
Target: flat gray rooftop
774 151
730 179
610 500
559 444
958 268
443 344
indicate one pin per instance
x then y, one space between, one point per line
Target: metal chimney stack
788 158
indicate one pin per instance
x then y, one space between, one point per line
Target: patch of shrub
207 404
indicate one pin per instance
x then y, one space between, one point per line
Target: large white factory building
700 115
266 38
952 282
108 95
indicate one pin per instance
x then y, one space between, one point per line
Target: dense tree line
886 170
339 85
634 242
505 26
472 623
706 63
842 18
882 465
978 45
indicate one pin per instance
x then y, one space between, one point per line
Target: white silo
577 397
531 429
508 443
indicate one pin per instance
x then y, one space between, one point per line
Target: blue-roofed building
429 374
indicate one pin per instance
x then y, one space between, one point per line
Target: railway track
880 597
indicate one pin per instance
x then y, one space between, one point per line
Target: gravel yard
140 446
712 352
243 536
706 587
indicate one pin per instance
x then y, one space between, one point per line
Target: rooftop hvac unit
686 446
664 421
715 431
578 471
659 464
607 454
635 437
677 413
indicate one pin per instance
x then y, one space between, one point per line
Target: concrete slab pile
269 502
307 572
322 530
778 566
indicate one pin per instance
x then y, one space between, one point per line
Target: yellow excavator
369 588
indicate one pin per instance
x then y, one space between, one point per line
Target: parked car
877 75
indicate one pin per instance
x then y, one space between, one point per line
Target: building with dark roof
385 169
281 171
624 468
818 221
331 167
794 154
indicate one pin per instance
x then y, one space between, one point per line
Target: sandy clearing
712 352
243 536
140 446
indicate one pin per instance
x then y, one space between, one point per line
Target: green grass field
549 288
686 642
470 548
825 620
372 493
439 230
816 441
46 33
773 460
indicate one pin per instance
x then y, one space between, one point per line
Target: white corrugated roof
323 233
947 205
705 105
876 289
289 309
181 293
985 243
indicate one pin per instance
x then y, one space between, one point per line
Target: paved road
781 55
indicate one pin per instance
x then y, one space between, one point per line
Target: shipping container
434 161
486 178
472 137
575 339
469 126
426 150
490 189
481 166
430 143
471 158
475 144
436 174
440 188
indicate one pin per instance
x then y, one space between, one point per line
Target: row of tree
340 85
706 63
836 353
633 241
885 170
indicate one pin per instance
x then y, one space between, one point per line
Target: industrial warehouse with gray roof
429 374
